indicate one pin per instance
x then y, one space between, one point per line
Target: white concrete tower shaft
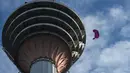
43 67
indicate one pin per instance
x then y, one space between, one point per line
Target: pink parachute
96 34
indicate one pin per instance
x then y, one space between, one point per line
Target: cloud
6 66
80 7
10 5
109 53
116 58
76 3
6 8
125 31
116 55
118 13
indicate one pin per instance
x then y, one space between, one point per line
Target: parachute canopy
96 32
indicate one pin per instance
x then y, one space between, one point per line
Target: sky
108 54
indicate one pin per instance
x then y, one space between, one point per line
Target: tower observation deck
43 34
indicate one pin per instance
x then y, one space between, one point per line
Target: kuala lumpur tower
43 36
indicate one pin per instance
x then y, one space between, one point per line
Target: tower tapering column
43 66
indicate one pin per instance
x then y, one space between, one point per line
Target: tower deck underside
44 46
